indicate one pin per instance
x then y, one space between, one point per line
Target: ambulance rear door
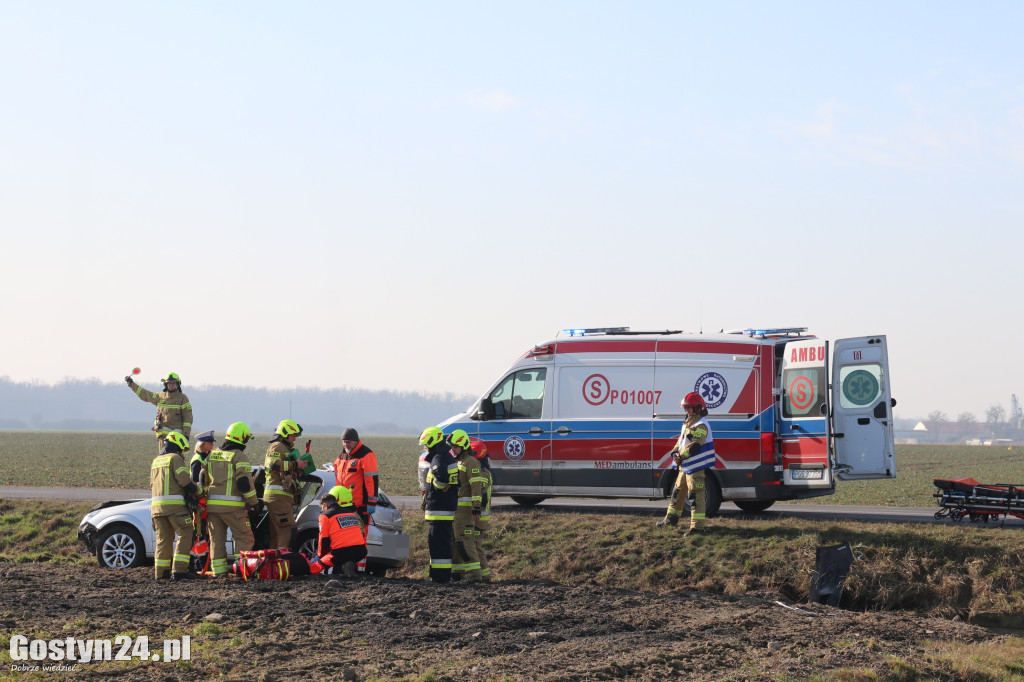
803 420
862 425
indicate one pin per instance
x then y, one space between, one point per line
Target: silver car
120 533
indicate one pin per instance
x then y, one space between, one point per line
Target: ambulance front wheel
528 500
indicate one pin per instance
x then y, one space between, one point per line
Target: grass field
122 460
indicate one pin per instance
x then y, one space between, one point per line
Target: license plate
807 474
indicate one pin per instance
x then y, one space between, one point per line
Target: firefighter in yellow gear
694 453
170 485
465 560
282 483
483 522
173 409
231 495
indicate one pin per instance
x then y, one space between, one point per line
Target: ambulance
595 411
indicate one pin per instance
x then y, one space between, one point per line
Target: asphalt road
569 505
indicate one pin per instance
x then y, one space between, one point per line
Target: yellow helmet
178 439
431 436
287 427
239 432
171 376
341 494
459 438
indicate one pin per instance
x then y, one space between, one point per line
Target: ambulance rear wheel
753 506
528 500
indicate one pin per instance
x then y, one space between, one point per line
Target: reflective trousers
685 483
241 534
439 542
465 558
281 516
172 555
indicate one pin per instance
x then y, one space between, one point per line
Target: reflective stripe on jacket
174 411
226 468
699 431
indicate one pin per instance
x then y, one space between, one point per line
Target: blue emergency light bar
774 331
595 330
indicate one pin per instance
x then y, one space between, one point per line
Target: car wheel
307 543
377 571
753 506
120 546
528 500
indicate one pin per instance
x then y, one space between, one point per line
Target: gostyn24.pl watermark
73 651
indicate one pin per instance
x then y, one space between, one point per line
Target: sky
409 195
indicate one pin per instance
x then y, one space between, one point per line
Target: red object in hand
136 370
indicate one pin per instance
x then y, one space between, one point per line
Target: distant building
963 433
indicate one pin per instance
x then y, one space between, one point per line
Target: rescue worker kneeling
341 543
170 485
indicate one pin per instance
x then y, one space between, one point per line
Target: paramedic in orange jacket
341 543
356 469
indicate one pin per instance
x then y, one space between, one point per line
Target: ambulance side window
520 395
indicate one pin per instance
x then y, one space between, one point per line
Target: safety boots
669 520
348 569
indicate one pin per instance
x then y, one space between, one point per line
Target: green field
122 460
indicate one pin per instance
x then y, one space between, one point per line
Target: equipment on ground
965 497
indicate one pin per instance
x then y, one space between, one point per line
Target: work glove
192 503
128 380
370 508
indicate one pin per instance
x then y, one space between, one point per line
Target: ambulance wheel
120 546
307 543
753 506
528 500
712 495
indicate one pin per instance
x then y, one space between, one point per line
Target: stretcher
965 497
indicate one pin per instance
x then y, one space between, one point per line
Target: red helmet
693 400
478 448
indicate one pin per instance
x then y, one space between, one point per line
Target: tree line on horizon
92 405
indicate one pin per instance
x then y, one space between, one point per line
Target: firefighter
441 501
282 484
465 561
173 410
693 453
231 495
356 469
482 523
170 485
341 542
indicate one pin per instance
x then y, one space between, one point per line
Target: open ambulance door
861 409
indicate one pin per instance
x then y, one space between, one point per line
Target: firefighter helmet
340 494
431 436
288 428
459 438
171 376
693 400
239 432
478 448
178 439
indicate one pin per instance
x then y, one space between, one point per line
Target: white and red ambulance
594 412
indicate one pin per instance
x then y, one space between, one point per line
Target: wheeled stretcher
960 497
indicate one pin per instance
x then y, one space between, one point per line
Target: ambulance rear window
803 392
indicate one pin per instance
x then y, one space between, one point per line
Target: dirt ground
371 628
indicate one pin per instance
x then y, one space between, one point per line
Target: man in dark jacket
441 501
